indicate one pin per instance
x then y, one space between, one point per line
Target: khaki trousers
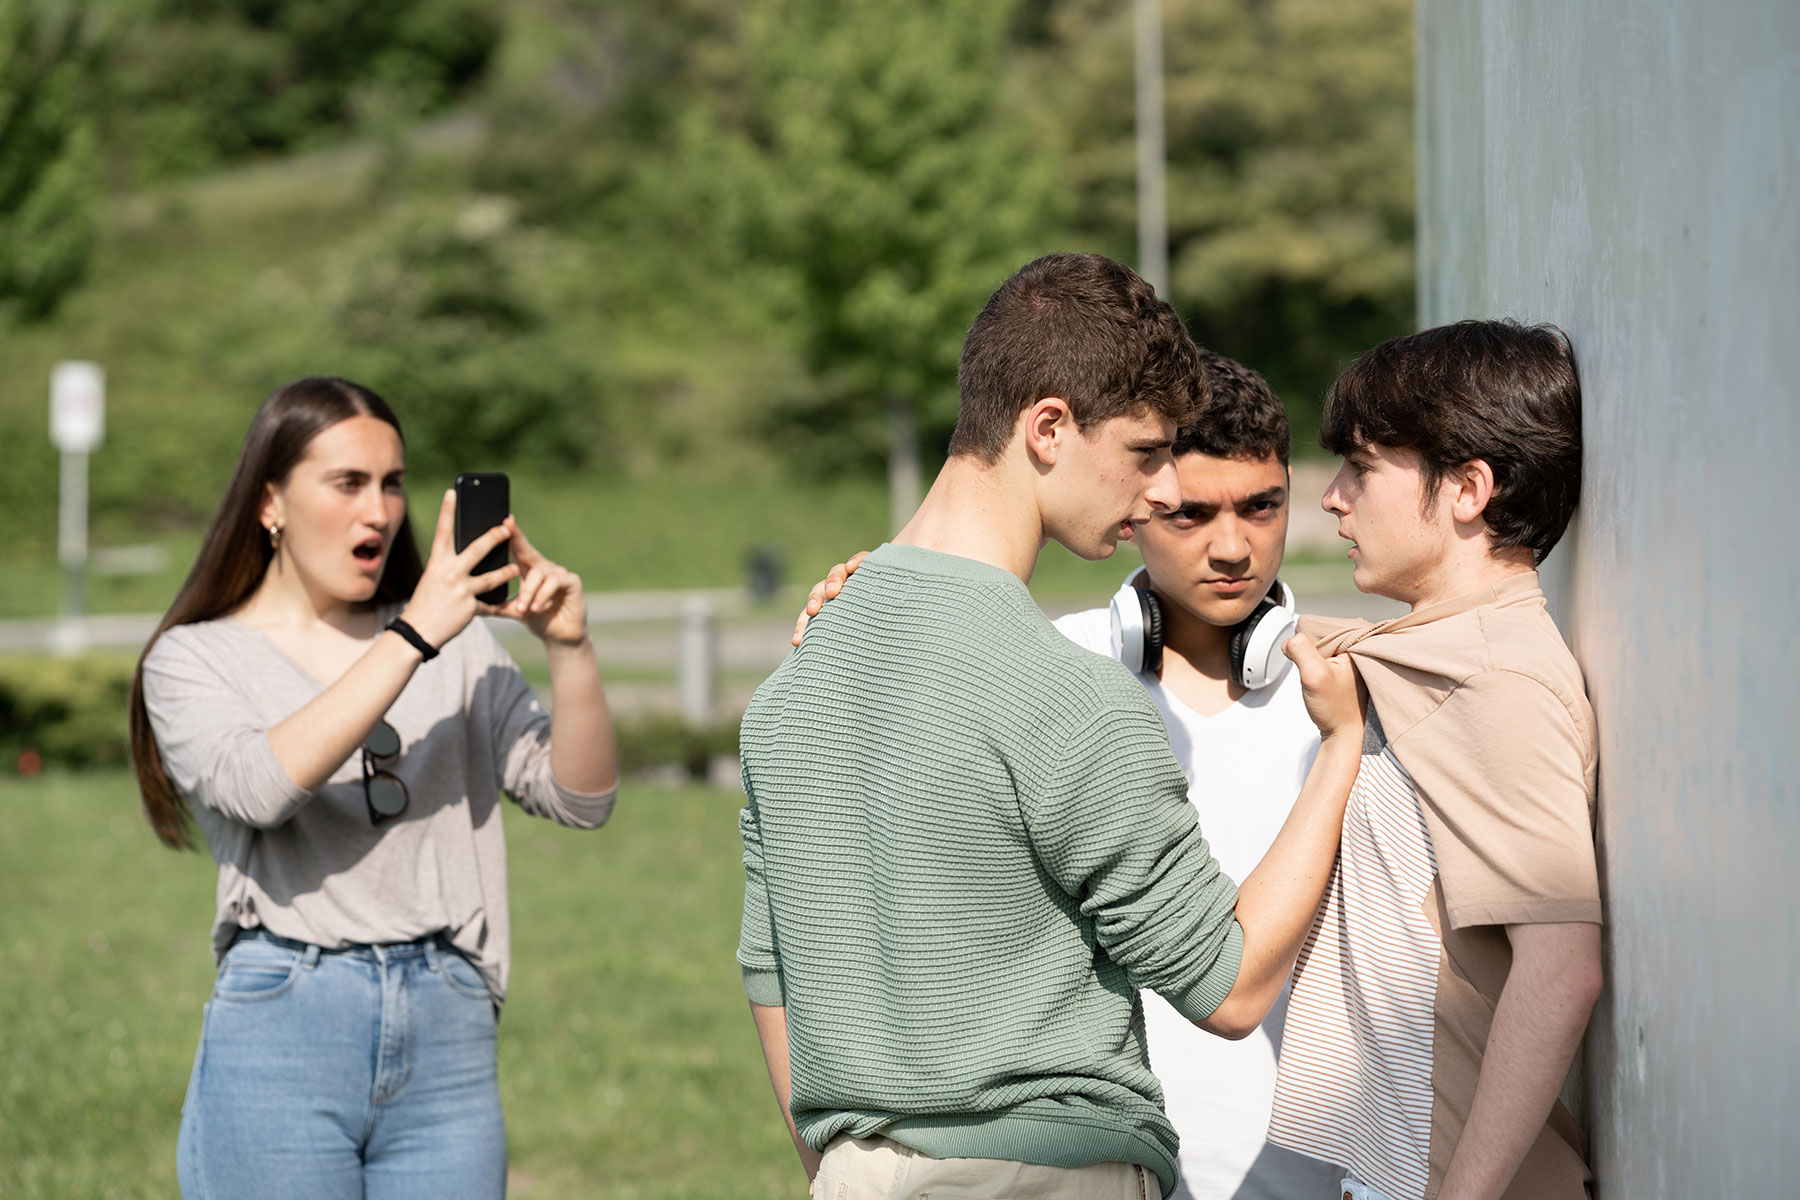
879 1168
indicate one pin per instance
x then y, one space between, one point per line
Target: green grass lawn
628 1065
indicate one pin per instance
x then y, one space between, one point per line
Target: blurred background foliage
49 165
670 262
192 85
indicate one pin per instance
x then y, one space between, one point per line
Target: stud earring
275 537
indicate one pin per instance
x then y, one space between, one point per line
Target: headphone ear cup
1255 646
1240 638
1153 631
1128 628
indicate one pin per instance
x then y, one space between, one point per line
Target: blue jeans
360 1074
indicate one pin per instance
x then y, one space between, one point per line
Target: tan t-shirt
1473 810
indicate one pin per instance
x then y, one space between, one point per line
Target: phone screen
482 501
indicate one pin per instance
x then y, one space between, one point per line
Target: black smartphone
483 498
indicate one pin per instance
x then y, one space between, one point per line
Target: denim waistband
430 947
1356 1189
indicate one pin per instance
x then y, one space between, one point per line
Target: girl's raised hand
444 602
550 602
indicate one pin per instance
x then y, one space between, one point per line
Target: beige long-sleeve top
311 865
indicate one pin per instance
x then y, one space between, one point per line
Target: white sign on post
77 406
77 424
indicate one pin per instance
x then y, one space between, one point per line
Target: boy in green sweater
966 841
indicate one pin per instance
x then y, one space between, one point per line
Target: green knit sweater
966 845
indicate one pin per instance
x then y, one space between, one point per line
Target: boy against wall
1451 971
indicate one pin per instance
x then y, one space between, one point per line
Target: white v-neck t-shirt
1245 766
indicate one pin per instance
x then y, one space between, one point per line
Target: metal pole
1153 208
72 551
696 668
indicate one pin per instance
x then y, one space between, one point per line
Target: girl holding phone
325 708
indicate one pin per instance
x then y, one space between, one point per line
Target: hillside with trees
659 256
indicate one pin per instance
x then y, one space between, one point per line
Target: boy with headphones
1201 625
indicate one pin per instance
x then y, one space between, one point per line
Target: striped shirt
1355 1083
1472 812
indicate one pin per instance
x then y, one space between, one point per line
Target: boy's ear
1046 423
1472 485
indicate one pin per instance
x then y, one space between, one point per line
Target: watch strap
426 650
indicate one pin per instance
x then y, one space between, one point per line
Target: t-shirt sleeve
1504 783
213 748
1110 821
521 739
757 954
1090 629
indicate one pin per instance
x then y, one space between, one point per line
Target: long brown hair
236 554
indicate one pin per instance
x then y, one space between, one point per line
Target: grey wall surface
1628 170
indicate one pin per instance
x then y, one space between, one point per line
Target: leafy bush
48 168
663 739
69 711
446 310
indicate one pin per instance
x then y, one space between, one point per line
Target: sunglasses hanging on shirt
383 791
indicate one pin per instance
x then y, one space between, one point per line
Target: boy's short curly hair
1240 418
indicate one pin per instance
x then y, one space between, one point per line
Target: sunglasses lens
387 795
382 741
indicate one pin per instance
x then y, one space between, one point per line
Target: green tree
868 169
203 82
446 310
593 95
48 167
1290 187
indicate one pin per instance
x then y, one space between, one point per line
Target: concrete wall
1630 169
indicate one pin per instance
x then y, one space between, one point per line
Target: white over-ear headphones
1255 648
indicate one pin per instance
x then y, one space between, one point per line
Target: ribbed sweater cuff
1203 997
764 987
